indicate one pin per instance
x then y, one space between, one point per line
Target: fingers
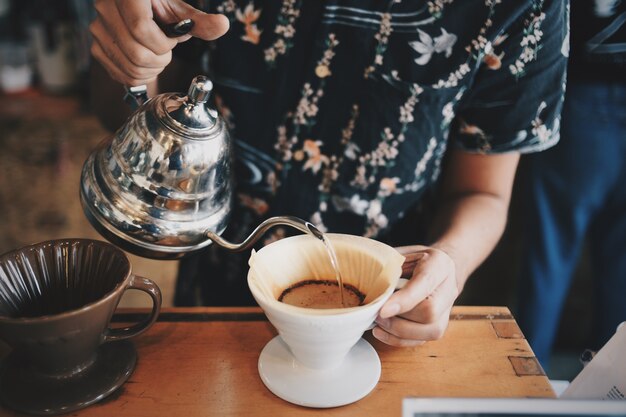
126 67
401 332
119 39
411 250
112 68
394 340
436 306
131 46
427 321
422 307
206 26
409 330
430 271
126 59
136 17
410 262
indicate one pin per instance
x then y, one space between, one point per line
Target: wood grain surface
203 362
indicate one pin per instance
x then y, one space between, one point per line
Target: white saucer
287 379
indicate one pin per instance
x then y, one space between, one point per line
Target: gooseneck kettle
161 186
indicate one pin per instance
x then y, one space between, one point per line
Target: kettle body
163 180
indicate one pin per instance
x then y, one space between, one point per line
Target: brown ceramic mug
56 301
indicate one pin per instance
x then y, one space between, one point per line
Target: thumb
426 277
206 26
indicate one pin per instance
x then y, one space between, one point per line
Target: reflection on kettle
161 186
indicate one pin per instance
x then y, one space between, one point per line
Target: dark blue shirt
598 38
343 110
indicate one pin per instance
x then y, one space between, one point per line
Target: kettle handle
138 95
291 221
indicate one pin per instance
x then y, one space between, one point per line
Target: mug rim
120 286
274 304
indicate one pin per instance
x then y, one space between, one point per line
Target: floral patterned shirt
343 110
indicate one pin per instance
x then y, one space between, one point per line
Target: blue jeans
577 191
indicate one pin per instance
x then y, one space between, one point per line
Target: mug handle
401 283
149 287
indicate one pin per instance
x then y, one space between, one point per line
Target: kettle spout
291 221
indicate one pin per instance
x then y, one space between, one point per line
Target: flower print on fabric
350 150
540 130
481 46
376 219
352 153
371 210
495 121
257 205
382 156
303 119
435 8
307 107
330 173
531 42
304 116
418 180
382 39
455 77
380 161
314 157
285 31
322 70
427 46
388 186
493 59
227 8
248 17
274 235
476 48
448 112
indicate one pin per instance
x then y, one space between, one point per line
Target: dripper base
287 379
26 391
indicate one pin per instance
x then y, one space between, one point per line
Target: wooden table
203 362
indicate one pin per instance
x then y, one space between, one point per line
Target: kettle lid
190 115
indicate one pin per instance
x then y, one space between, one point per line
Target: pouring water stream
293 222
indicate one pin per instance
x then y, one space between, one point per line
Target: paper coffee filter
367 264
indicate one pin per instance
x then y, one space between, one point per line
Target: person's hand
420 311
130 45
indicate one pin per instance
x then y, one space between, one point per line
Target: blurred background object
5 9
47 130
47 38
53 38
16 70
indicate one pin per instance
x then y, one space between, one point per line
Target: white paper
510 407
605 376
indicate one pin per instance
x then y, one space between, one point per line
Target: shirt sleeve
515 101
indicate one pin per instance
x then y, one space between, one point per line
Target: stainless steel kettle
161 186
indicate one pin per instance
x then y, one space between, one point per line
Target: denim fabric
577 191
